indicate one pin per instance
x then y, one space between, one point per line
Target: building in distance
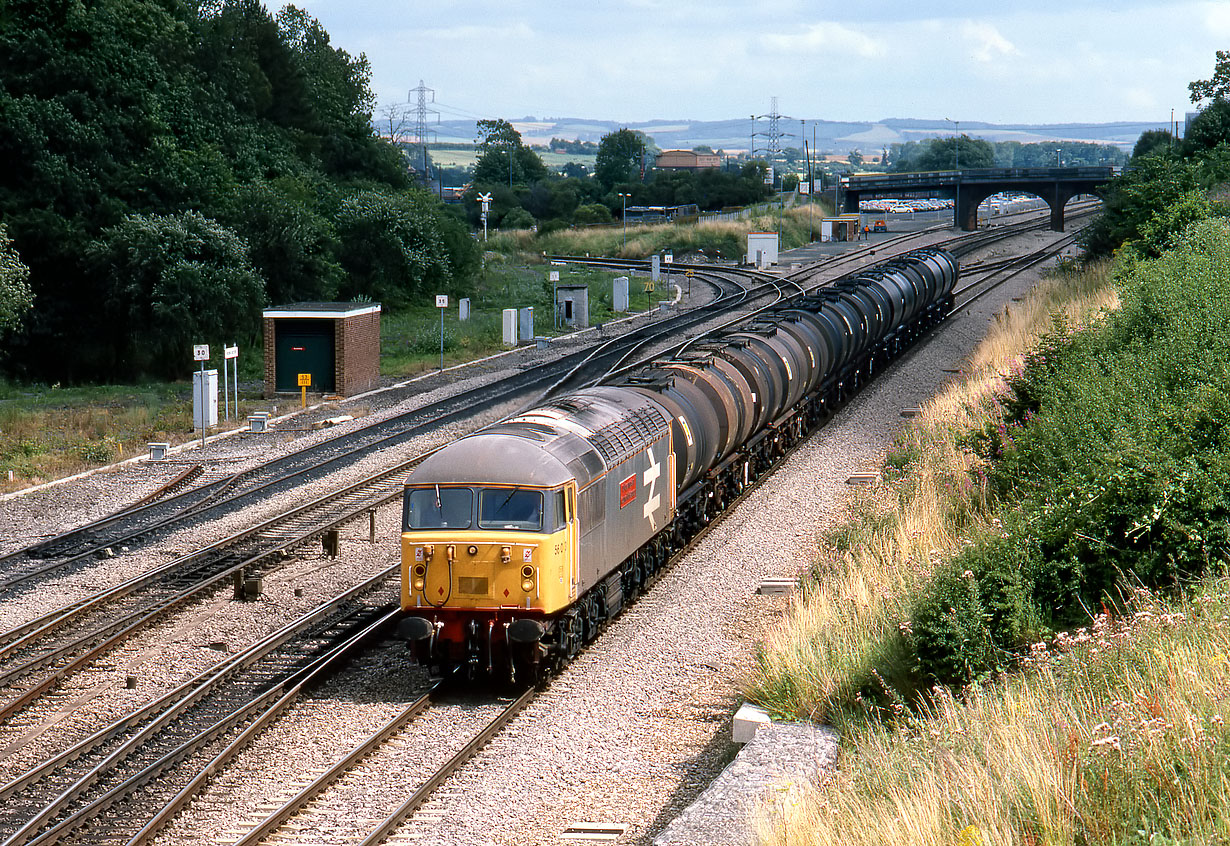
687 160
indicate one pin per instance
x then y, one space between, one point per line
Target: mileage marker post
305 382
442 304
200 352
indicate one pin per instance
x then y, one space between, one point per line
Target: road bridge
968 188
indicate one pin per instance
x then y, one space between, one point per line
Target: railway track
138 761
142 525
145 522
61 823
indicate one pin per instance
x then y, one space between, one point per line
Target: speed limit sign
200 352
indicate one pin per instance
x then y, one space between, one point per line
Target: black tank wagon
522 539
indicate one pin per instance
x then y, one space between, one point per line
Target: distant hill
830 136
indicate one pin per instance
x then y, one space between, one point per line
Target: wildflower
1111 742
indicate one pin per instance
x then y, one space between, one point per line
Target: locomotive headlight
473 550
419 584
420 577
527 578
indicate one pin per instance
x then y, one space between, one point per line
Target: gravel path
630 733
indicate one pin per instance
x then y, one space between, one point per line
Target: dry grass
717 239
1114 734
50 433
840 633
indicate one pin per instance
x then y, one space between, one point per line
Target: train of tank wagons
521 540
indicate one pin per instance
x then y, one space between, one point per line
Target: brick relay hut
338 344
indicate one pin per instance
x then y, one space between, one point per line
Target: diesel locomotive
521 540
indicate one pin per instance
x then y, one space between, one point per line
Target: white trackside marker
651 481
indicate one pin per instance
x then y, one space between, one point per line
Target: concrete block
748 719
510 327
158 452
619 294
863 479
777 586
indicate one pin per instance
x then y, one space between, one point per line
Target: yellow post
305 380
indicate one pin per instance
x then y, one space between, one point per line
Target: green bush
952 641
1110 468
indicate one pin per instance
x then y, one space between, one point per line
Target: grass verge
847 627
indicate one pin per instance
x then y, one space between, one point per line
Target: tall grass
724 240
846 632
47 433
1115 733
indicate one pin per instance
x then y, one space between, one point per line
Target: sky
1005 61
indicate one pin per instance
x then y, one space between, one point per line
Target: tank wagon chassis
522 540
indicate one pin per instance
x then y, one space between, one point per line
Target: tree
171 281
290 242
503 159
154 108
1216 88
1210 128
855 158
399 245
593 213
620 154
518 218
1152 141
1132 198
16 298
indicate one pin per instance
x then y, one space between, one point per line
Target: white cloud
987 42
1217 19
828 36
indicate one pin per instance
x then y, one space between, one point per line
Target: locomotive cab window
501 508
559 517
439 508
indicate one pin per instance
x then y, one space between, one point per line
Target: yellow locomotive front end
489 554
493 548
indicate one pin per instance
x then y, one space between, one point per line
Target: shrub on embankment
1109 467
1022 635
1040 530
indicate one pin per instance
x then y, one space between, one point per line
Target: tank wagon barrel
522 539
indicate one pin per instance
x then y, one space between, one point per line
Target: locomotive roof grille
617 441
